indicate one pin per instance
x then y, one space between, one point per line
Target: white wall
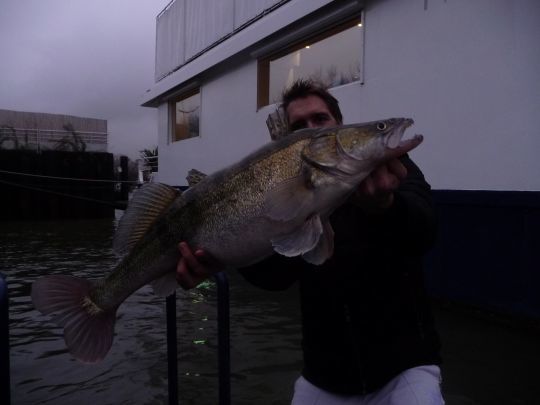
466 70
230 127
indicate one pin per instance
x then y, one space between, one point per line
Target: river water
265 330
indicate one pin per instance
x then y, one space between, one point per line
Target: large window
185 116
333 57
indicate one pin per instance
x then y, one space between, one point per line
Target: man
368 335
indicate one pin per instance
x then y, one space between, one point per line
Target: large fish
277 199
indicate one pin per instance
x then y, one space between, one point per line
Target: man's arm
405 213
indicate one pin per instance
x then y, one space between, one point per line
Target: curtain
187 27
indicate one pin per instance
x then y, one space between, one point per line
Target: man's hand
376 192
194 267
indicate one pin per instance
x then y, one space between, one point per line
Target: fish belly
242 245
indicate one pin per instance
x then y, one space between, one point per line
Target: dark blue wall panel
487 250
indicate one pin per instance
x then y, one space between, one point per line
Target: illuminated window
185 116
333 57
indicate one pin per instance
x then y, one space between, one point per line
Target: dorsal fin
148 203
194 176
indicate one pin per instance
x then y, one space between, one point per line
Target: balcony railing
39 139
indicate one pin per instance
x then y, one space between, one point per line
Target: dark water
265 332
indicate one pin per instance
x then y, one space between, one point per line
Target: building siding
466 72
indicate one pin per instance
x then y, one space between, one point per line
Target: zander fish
277 199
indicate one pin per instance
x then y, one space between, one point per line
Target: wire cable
110 204
67 178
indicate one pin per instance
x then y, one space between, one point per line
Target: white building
467 72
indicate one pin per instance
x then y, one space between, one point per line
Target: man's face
309 112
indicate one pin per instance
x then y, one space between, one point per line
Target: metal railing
5 392
35 138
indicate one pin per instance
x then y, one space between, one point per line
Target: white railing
35 138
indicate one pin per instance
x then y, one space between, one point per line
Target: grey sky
85 58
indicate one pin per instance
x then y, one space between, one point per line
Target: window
333 57
185 116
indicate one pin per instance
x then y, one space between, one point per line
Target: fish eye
381 126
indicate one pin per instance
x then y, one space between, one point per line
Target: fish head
376 140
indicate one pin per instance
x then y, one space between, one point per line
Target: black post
5 393
124 176
172 350
224 353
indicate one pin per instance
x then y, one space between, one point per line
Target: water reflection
264 330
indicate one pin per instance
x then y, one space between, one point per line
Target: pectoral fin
301 240
324 248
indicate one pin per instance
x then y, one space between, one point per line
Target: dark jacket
365 313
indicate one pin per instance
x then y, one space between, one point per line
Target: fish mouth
395 145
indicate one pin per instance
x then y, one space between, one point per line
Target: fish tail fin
88 330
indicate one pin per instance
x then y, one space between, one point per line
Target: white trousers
415 386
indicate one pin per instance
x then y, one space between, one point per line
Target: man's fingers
189 272
195 267
385 181
186 278
376 192
183 275
397 168
367 187
188 256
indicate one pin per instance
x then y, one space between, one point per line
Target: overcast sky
86 58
